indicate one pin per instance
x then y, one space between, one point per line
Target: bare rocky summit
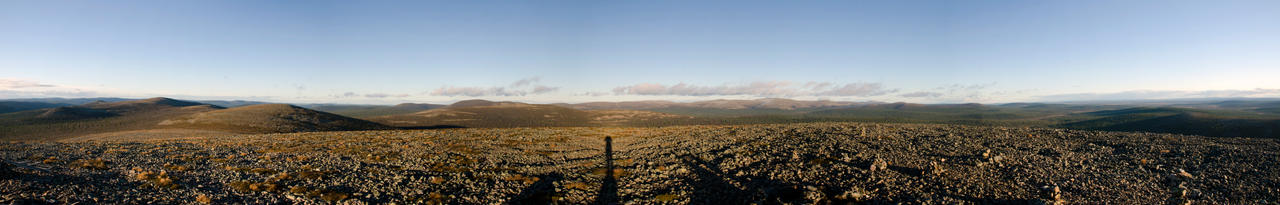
778 163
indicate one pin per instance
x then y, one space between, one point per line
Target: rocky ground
785 163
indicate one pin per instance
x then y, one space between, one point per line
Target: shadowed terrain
480 113
173 116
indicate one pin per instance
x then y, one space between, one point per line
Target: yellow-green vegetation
237 169
176 167
520 178
51 160
665 198
311 174
334 196
248 186
98 164
241 186
155 179
577 185
204 199
617 172
299 190
263 171
265 186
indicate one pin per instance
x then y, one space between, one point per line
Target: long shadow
541 192
608 193
713 186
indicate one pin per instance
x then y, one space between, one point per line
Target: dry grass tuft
204 199
236 169
311 174
97 164
263 171
334 196
283 176
665 198
265 186
578 186
155 179
51 160
176 167
299 190
241 186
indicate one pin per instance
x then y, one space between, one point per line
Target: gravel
775 163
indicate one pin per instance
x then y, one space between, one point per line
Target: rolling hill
481 113
15 106
269 118
974 114
164 113
719 108
1180 120
364 111
40 120
766 103
69 101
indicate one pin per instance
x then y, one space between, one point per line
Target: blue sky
385 52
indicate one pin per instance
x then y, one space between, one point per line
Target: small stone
878 164
1184 173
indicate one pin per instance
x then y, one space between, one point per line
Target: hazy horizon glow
579 51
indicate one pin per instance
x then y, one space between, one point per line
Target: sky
387 52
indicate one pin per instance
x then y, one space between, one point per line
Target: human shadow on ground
542 191
608 193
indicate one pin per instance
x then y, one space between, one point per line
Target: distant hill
92 118
481 113
1181 120
231 103
68 101
973 114
56 118
767 103
719 108
365 111
14 106
269 118
160 113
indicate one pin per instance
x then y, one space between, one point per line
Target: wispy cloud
592 94
858 90
525 81
978 92
48 93
966 87
19 83
370 95
544 89
474 91
1162 94
758 88
22 88
517 88
922 94
385 95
